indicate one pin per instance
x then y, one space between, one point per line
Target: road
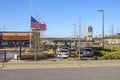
82 73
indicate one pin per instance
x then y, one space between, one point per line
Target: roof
14 31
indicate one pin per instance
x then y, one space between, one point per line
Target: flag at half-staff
37 25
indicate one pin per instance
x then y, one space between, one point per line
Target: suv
86 52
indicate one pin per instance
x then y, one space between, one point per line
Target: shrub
115 55
48 55
106 52
49 46
38 56
97 51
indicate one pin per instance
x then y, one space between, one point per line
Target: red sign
15 37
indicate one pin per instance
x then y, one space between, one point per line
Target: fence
3 55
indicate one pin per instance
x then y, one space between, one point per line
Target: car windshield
87 49
63 51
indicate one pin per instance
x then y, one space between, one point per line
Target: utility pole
4 28
75 40
35 45
74 30
112 33
102 27
79 28
79 35
20 45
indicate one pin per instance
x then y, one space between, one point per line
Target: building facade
13 39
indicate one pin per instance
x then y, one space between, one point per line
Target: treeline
108 37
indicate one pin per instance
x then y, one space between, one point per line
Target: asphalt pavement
60 70
82 73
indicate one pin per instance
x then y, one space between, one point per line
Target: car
62 47
63 53
86 52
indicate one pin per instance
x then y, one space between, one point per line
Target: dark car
86 52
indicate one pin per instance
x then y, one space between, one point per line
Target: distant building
112 41
12 39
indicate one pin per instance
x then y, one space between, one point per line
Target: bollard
15 56
5 55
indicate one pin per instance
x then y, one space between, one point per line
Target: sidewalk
59 64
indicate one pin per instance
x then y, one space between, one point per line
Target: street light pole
75 35
4 28
74 30
102 27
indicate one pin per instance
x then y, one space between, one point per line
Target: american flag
34 22
37 25
42 27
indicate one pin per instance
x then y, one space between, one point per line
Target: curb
59 64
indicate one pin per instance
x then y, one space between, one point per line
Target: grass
107 53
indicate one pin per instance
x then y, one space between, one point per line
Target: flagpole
30 22
31 31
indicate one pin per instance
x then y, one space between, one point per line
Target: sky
60 15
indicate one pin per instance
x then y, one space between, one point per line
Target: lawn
107 52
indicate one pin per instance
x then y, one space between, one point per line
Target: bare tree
112 34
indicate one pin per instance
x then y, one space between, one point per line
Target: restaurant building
13 39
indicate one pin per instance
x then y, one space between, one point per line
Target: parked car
62 47
86 52
63 53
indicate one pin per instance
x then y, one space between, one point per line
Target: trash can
15 56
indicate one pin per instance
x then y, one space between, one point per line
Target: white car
64 53
62 47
